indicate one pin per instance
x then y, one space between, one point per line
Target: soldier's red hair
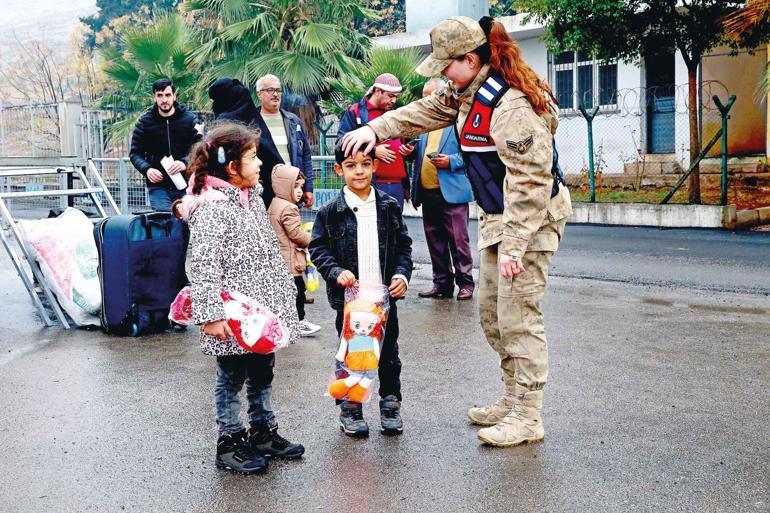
504 56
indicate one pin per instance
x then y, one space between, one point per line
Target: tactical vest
485 169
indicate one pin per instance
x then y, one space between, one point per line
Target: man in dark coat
165 130
283 142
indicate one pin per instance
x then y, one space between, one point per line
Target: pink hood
209 193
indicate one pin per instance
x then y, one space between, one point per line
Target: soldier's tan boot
524 424
494 413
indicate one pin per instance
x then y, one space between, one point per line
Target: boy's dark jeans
256 370
390 363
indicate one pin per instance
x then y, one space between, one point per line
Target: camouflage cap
452 38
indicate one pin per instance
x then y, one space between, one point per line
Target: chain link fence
30 130
640 137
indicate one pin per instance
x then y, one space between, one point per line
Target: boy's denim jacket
334 246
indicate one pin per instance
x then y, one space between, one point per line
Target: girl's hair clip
221 155
208 145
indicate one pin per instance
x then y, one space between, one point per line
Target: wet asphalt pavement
657 400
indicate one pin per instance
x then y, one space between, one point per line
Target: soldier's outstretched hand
360 139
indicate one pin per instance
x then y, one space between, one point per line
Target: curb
645 214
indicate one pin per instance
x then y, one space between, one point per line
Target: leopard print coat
232 245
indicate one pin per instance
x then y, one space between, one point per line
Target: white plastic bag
65 250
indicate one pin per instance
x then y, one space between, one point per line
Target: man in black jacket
165 130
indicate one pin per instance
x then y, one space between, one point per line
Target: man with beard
391 177
160 146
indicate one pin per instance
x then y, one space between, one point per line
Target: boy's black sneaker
234 454
352 421
390 416
265 440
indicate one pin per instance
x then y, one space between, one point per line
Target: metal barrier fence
37 206
128 188
30 130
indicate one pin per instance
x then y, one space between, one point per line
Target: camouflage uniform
529 229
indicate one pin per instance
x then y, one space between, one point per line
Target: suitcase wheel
134 331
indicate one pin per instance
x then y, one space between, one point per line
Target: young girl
232 245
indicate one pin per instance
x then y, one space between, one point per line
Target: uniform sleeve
436 111
524 144
206 249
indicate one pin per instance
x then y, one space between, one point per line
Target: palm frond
746 19
228 11
118 130
318 38
121 72
305 74
157 43
402 63
302 73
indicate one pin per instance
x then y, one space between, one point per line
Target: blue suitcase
141 269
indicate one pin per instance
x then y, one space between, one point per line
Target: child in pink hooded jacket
285 217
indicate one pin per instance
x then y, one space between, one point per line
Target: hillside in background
49 21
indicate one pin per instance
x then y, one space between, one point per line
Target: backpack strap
492 90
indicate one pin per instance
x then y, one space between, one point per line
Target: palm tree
161 50
748 27
301 41
350 88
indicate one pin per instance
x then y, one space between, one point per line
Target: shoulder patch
522 146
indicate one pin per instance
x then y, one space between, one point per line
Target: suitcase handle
166 225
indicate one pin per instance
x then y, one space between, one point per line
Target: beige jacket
530 215
286 221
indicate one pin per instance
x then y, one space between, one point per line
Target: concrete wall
665 216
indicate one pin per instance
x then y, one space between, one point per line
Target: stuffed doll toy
358 356
255 328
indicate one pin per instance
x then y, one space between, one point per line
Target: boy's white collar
352 198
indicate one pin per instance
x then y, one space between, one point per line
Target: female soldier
505 117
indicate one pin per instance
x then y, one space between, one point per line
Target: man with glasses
283 139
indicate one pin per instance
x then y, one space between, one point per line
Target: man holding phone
391 176
440 185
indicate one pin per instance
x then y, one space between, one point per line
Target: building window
579 79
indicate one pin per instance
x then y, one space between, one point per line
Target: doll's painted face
362 323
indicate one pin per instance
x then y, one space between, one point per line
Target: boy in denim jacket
361 236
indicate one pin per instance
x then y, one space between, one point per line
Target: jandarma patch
522 146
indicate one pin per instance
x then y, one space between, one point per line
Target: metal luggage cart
64 171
